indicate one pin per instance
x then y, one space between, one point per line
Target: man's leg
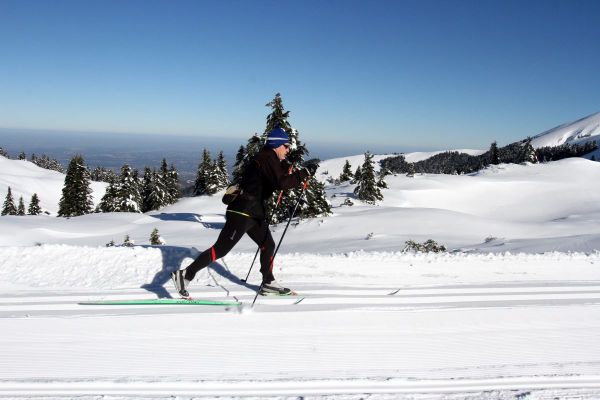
235 227
261 235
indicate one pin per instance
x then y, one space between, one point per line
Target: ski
197 302
292 293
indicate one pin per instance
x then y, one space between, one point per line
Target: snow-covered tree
34 205
155 238
4 153
238 167
128 192
221 170
101 174
128 242
529 154
22 156
109 202
357 175
21 207
316 200
154 192
346 174
206 177
173 187
9 207
381 183
76 194
366 189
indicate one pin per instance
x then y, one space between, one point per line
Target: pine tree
9 207
128 242
173 188
128 193
109 202
316 200
240 159
206 177
357 175
155 239
34 205
494 154
346 174
4 153
221 169
155 194
529 154
22 156
411 170
381 183
21 207
366 189
76 194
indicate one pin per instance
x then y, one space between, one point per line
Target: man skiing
265 173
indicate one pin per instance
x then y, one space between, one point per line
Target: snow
577 132
25 178
510 311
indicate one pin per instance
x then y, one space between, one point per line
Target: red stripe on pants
213 253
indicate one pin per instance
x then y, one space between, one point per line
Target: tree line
453 162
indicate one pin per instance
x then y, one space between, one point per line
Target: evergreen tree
101 174
9 207
22 156
494 154
366 189
357 175
34 205
221 169
346 174
529 154
21 207
155 239
4 153
411 171
155 194
383 172
206 177
173 187
128 192
238 167
109 202
316 200
76 194
127 242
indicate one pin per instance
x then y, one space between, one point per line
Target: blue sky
398 75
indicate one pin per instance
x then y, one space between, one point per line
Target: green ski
196 302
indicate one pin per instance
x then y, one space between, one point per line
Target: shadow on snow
172 258
188 217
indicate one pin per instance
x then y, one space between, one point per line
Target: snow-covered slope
25 178
512 311
577 132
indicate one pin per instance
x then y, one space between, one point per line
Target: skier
265 173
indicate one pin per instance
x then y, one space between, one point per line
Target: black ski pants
236 225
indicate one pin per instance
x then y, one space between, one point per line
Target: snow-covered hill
511 311
25 178
577 132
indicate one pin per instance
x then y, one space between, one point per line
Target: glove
311 167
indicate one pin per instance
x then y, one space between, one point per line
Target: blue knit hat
276 138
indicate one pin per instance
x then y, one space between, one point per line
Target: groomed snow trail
365 325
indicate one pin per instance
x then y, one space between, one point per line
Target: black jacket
264 175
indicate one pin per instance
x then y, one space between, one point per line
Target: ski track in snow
446 326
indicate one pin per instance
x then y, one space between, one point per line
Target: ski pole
283 235
258 250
